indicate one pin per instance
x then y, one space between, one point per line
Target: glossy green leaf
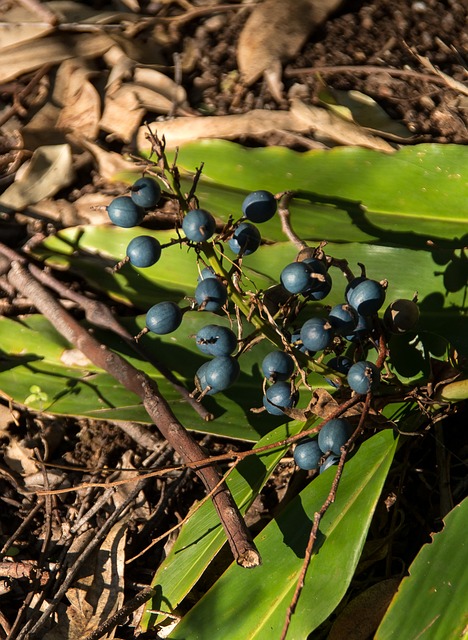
347 193
252 604
431 602
202 536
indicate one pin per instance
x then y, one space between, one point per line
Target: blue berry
363 377
205 273
211 294
295 277
222 372
361 330
307 454
145 193
259 206
329 462
143 251
277 396
316 334
341 364
277 365
333 435
164 317
215 340
123 212
198 225
319 289
245 240
201 383
366 296
315 265
343 318
297 343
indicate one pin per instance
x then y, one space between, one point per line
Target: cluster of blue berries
346 332
324 451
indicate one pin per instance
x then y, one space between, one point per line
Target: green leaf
202 536
347 193
431 601
252 604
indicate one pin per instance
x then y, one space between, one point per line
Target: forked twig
319 515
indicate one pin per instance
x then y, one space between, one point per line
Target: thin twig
319 515
156 406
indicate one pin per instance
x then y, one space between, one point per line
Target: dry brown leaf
162 84
275 31
52 49
81 102
188 129
327 125
20 458
109 163
98 591
49 170
124 109
361 617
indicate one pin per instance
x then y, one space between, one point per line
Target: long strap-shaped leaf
252 604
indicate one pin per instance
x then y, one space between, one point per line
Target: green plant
336 510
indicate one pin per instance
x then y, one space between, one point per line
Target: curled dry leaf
98 591
275 32
51 50
109 163
187 129
330 126
301 118
49 170
81 104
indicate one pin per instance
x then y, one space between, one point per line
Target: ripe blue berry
297 343
315 265
295 277
361 330
211 294
319 289
215 340
201 383
259 206
205 273
277 365
164 317
401 315
245 240
145 193
123 212
329 462
341 364
222 372
343 318
316 334
277 396
307 454
366 296
363 377
198 225
143 251
333 435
